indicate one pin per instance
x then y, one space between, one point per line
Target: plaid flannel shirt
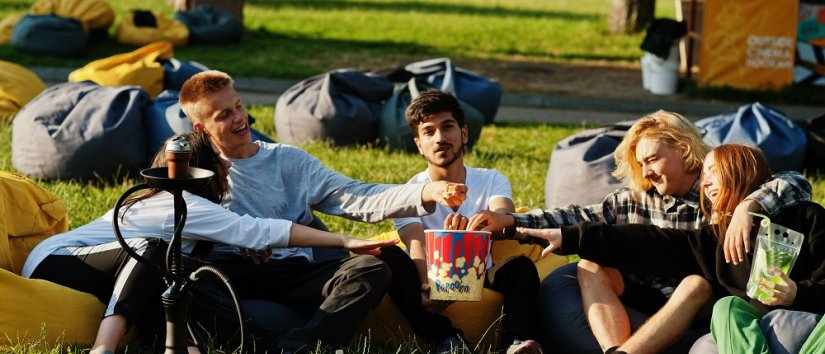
627 206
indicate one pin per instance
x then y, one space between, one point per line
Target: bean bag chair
139 67
393 129
164 119
29 214
209 25
478 91
7 27
581 167
81 131
92 14
49 35
342 106
476 319
781 140
141 27
18 86
176 72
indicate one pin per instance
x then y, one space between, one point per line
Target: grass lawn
295 39
520 151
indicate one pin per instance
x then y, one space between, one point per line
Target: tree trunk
630 16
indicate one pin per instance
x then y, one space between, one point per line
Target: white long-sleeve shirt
154 218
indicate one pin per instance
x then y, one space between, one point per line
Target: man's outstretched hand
549 237
449 194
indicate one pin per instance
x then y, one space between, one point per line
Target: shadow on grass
794 94
433 8
260 53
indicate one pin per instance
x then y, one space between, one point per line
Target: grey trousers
785 332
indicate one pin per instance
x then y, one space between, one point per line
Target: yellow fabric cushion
32 309
92 14
7 27
28 214
167 29
139 67
37 309
18 86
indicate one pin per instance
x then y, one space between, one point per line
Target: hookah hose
195 276
167 273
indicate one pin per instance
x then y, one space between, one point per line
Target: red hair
739 170
199 86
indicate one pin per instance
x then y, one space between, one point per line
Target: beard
455 155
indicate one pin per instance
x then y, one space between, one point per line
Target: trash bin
661 77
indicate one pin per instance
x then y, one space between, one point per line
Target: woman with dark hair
730 173
89 258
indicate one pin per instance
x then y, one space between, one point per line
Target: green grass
519 151
295 39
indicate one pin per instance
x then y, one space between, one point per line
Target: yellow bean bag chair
167 29
7 27
92 14
478 320
18 86
139 67
36 309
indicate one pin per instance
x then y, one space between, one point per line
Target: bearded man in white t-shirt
440 133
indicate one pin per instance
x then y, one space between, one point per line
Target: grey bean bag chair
50 35
210 25
342 106
79 131
393 129
581 166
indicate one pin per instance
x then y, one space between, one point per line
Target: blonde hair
199 86
667 127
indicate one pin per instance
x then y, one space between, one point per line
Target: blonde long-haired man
586 308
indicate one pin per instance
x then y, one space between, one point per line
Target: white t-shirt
482 186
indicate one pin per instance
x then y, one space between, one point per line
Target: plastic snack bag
776 247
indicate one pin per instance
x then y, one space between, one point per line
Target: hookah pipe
176 299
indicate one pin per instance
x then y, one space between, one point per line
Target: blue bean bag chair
210 25
781 140
176 72
81 131
49 35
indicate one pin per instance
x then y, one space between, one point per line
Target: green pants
735 329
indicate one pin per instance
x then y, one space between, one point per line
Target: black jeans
516 279
128 288
336 295
405 292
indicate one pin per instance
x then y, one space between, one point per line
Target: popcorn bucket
456 264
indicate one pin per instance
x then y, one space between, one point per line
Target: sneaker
524 347
453 344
